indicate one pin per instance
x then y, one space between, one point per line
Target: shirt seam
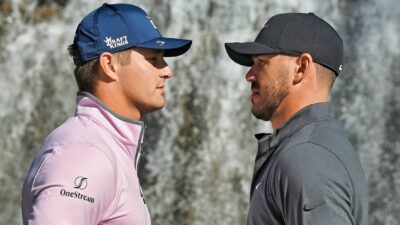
49 150
335 155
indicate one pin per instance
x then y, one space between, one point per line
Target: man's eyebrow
255 57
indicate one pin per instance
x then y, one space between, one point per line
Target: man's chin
254 99
261 114
153 107
158 106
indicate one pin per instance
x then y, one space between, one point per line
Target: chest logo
309 207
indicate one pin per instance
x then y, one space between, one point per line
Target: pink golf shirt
85 172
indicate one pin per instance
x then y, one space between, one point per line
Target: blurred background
199 152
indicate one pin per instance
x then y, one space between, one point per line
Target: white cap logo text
117 42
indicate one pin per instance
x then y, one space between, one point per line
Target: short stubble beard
271 98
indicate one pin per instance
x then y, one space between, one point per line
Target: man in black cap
307 171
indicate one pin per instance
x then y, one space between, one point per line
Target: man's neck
285 111
118 104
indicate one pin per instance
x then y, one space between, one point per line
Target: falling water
200 148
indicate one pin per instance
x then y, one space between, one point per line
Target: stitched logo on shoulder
80 183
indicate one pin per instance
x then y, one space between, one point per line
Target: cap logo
151 21
340 68
160 43
117 42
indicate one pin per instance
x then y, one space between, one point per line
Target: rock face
199 153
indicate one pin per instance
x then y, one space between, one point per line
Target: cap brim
242 52
171 46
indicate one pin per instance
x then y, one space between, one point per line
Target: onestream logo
81 184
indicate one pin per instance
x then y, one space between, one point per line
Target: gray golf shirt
307 173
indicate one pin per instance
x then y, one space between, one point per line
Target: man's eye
262 61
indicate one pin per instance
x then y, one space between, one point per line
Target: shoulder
78 134
76 148
67 180
74 130
330 134
312 172
309 162
67 165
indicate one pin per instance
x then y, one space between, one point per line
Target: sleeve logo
80 183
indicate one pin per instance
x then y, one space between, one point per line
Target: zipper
139 148
137 158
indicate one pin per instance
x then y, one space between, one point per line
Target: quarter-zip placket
139 147
137 157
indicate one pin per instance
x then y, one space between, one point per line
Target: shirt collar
309 114
267 142
127 131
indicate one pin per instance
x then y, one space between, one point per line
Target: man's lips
254 91
160 89
254 88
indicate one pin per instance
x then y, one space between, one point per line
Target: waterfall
199 150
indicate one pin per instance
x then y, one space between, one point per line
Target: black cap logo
80 183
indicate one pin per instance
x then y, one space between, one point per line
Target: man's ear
304 63
108 65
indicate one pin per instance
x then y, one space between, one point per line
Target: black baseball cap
294 34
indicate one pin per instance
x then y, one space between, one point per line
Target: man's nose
251 75
166 71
